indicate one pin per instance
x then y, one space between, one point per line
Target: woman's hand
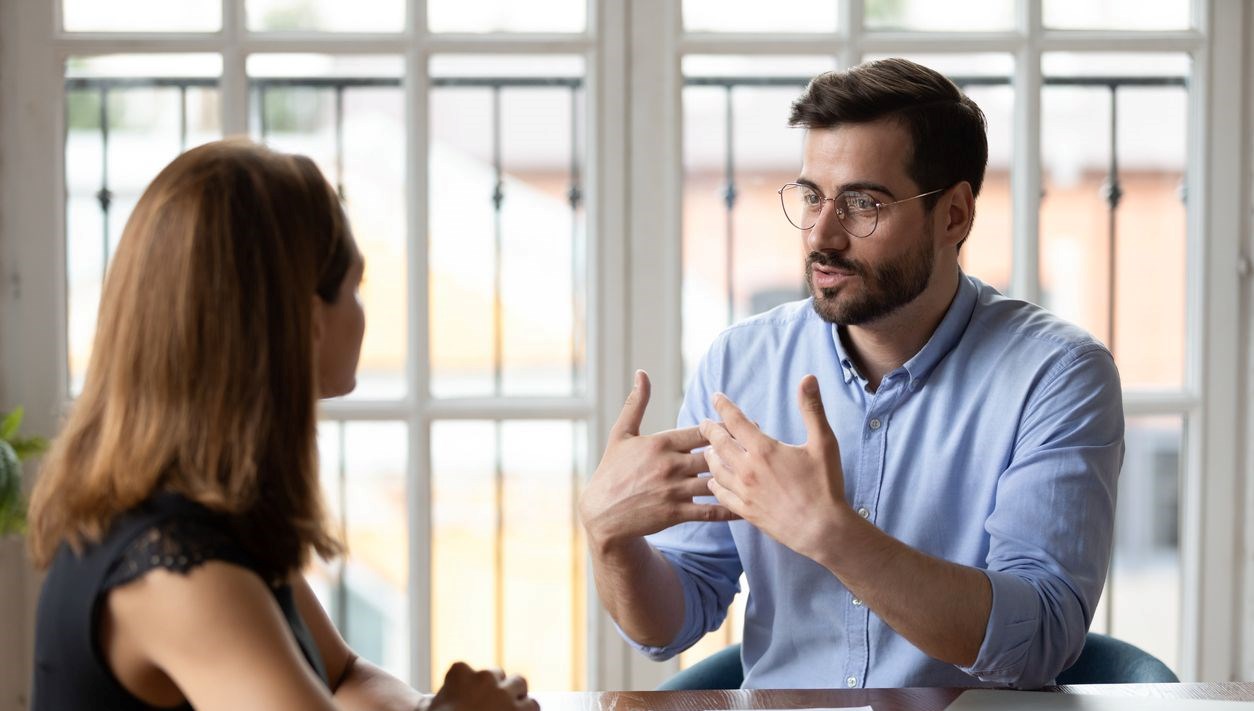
468 690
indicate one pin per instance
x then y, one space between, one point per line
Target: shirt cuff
1013 623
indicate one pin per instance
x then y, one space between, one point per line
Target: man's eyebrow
856 185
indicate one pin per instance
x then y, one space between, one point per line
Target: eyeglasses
858 212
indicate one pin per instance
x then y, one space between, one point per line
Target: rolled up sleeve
1052 526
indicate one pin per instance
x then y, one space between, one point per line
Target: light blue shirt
996 446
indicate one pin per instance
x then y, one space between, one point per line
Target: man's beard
884 288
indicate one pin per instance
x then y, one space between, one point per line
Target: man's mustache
833 261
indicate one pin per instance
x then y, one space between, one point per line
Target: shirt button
852 681
862 511
874 424
857 602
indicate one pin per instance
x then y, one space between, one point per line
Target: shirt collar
946 336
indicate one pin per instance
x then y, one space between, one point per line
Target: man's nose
827 234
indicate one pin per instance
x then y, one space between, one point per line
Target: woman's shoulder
171 532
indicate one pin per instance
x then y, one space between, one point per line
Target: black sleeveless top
169 532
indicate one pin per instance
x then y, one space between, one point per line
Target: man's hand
794 494
645 483
468 690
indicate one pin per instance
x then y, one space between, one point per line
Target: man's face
858 280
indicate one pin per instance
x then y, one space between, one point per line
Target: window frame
632 53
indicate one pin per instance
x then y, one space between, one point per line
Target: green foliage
13 450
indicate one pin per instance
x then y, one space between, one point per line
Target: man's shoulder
1005 323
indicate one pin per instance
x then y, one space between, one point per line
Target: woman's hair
202 379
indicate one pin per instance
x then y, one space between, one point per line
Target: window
551 198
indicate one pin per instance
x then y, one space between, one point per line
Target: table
880 699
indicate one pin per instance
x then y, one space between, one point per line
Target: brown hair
202 374
947 128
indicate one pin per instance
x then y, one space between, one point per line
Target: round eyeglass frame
840 214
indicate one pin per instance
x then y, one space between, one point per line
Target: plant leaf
10 423
28 447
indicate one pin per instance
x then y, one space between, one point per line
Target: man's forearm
940 607
640 589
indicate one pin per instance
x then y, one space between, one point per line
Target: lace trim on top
178 545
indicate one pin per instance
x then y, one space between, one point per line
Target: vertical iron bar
104 196
339 141
264 122
1113 194
182 117
498 197
575 197
498 562
729 199
341 578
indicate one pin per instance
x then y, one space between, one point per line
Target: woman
181 500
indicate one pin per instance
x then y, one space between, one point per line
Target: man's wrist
839 532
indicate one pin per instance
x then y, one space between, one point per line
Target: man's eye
812 199
859 203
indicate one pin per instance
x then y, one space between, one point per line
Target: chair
1104 660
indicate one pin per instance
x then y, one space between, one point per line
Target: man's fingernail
811 386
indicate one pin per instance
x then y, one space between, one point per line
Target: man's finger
632 414
719 470
726 497
720 439
691 464
704 512
740 426
684 439
811 404
696 486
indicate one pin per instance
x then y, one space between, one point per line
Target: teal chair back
1104 660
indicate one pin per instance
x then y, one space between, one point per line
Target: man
943 514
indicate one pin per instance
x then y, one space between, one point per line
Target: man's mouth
826 277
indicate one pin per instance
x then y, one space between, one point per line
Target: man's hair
202 375
947 129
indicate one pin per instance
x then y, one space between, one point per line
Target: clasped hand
646 483
793 493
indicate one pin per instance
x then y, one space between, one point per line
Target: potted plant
13 451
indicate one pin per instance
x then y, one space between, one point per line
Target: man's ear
955 213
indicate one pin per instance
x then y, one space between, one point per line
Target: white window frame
634 178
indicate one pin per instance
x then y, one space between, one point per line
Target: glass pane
326 15
1148 222
746 258
127 116
778 16
930 16
1141 603
987 253
507 555
142 16
507 16
1116 15
507 267
348 115
367 593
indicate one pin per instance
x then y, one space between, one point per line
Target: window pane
326 15
1141 603
367 593
507 267
507 556
507 16
987 253
1116 15
778 16
127 116
1148 220
931 16
359 144
142 16
744 258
